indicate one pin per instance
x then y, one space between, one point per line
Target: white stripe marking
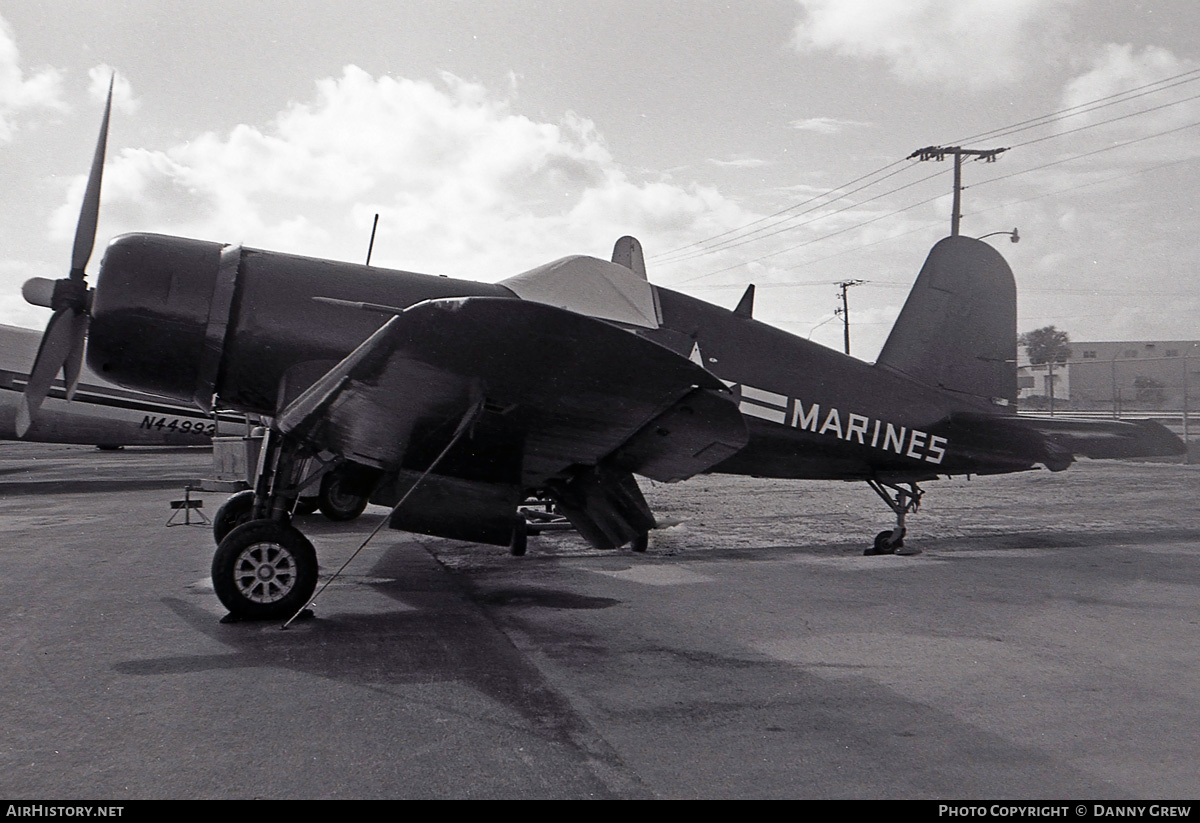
765 396
762 412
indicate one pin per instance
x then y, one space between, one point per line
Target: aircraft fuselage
203 323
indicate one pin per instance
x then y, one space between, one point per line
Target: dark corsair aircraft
453 400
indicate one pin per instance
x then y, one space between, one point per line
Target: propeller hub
70 293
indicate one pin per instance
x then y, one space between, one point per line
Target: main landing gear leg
902 501
264 568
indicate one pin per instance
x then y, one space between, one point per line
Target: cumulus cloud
973 43
123 99
825 125
464 185
1119 119
740 162
1116 68
19 93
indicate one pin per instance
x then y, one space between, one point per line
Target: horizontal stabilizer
1063 438
1104 439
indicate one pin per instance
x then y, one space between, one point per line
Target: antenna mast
371 245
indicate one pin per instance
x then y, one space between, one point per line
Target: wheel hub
265 572
341 498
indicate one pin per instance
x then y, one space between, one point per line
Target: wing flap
690 437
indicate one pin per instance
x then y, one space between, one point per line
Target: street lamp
1012 235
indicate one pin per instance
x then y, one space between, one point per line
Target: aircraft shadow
441 635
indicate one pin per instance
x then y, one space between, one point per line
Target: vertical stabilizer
745 306
628 253
958 328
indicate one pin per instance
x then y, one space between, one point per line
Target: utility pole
844 310
939 153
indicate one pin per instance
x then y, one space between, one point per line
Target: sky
759 141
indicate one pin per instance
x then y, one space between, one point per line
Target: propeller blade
39 291
62 344
52 354
89 214
73 365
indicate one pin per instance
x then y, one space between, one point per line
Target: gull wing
557 389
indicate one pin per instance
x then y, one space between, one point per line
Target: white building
1116 375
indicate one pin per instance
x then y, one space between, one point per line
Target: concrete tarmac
1043 645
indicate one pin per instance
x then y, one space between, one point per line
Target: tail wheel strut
902 501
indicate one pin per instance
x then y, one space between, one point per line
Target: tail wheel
339 500
886 543
264 570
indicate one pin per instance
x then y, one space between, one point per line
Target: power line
776 214
1090 153
930 225
933 150
831 234
990 154
1083 108
887 284
931 199
923 227
788 224
1065 189
674 257
732 244
1106 122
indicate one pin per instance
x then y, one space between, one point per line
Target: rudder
958 328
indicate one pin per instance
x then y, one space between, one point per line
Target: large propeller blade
89 213
65 336
54 352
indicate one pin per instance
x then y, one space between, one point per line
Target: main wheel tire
233 512
336 501
264 570
640 543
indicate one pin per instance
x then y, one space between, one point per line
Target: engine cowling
194 320
151 313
